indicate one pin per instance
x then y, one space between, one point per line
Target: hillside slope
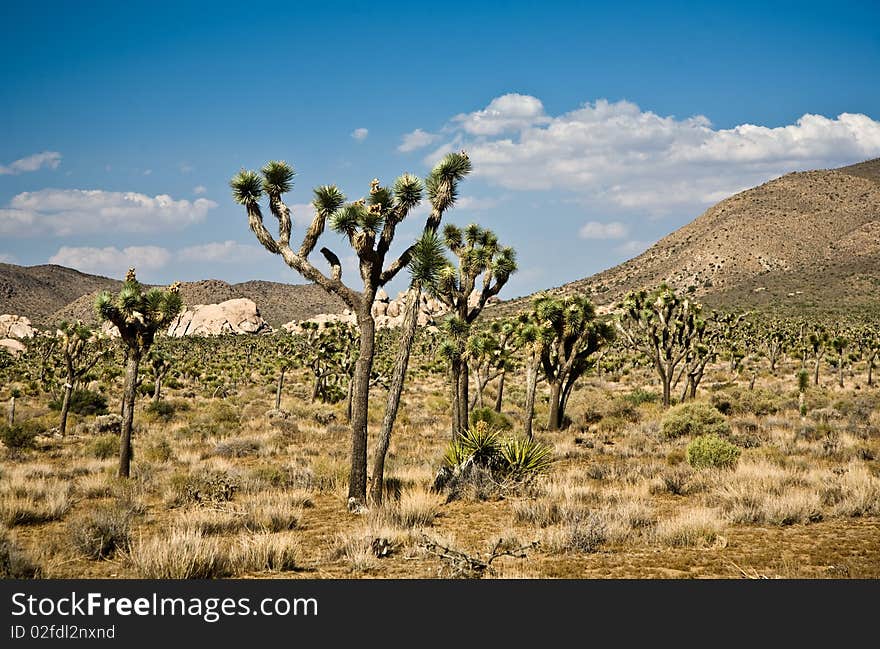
804 242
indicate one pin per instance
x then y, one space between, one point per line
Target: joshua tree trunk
128 398
395 389
348 395
554 421
65 407
870 371
531 390
463 397
279 388
500 391
157 390
840 370
357 487
816 372
12 411
455 373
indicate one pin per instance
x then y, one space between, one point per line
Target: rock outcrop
12 346
387 312
237 316
15 326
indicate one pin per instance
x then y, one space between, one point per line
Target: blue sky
594 130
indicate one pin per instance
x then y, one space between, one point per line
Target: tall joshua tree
574 335
160 365
80 356
369 224
427 260
662 325
480 258
138 315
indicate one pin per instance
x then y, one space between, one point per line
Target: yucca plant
523 458
138 315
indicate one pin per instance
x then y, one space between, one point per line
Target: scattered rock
12 346
15 326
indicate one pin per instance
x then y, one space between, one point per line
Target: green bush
161 410
104 446
495 420
146 389
83 402
21 436
711 451
639 396
693 418
739 401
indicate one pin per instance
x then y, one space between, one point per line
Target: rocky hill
804 242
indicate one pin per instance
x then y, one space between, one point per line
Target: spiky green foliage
138 315
524 457
277 177
327 199
428 260
407 191
247 187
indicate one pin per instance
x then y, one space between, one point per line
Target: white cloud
147 172
616 155
505 113
597 230
360 134
474 204
221 252
418 139
7 258
199 189
63 212
50 159
111 261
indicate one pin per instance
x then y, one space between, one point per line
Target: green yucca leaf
327 199
428 260
277 177
407 191
453 167
247 187
522 457
346 219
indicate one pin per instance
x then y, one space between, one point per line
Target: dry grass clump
189 554
14 562
25 500
693 527
275 511
857 492
101 533
416 508
583 532
357 550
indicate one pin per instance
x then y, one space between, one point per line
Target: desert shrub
711 451
204 488
501 460
740 401
160 451
146 388
160 410
22 436
542 513
639 396
584 532
14 563
523 458
693 418
237 448
99 534
691 528
495 420
83 402
103 446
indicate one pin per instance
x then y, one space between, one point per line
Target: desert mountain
804 242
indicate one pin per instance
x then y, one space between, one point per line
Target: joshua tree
479 256
840 344
574 336
160 365
138 315
531 339
79 358
869 346
664 326
426 262
818 344
369 225
773 344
